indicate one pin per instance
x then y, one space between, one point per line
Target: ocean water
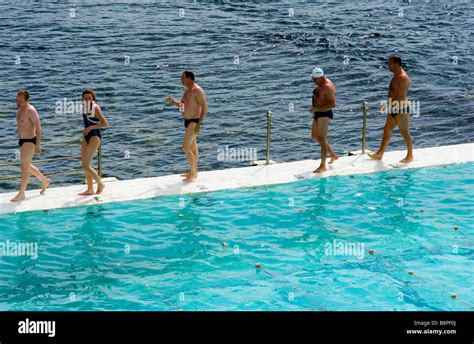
250 57
200 252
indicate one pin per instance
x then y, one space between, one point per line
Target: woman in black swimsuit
94 119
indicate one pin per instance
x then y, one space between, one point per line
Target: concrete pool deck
279 173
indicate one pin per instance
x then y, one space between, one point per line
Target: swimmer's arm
201 99
330 102
34 118
171 100
102 120
17 125
313 104
400 89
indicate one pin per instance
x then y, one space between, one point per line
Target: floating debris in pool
422 210
456 228
224 244
410 272
453 296
372 251
336 230
395 165
258 265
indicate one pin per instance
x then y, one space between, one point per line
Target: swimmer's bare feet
100 188
187 174
190 178
409 158
375 156
320 169
86 193
18 198
45 186
333 158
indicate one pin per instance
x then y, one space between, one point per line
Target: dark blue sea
250 58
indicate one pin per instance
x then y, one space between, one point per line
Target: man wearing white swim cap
324 100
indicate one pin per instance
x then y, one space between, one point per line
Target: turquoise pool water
199 252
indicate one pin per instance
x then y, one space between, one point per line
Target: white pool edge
143 188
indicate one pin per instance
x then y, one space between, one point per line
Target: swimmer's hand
38 149
171 100
197 129
86 131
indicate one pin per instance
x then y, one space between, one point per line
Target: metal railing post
365 108
269 124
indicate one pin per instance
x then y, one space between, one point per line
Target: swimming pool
200 252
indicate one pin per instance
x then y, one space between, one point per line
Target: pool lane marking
281 280
413 274
460 231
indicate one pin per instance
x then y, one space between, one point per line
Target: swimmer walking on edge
94 120
398 110
193 107
29 131
324 100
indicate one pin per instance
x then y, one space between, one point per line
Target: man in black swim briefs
398 110
193 106
324 100
29 131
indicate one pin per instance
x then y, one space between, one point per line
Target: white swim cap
317 73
